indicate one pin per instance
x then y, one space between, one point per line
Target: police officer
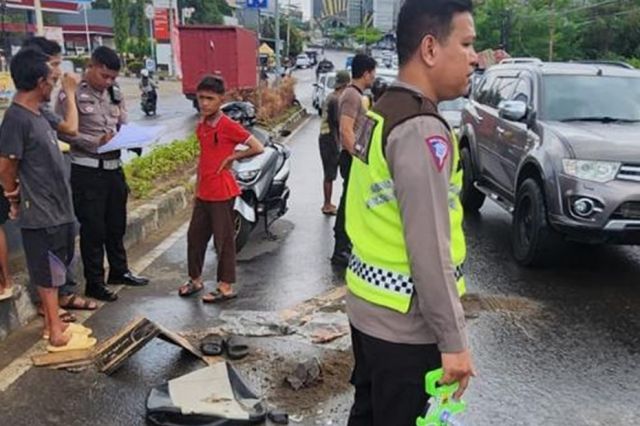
97 180
404 219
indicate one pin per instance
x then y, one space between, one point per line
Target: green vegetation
561 29
149 171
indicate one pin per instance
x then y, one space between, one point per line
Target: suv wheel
532 238
470 197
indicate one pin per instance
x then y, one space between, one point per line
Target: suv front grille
629 172
629 211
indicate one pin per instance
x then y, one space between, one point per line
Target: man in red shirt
216 190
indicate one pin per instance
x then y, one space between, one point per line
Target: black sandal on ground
212 345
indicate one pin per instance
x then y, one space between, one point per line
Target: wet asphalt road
557 346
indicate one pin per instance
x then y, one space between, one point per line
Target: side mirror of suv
512 110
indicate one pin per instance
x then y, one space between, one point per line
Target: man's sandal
189 288
218 296
78 303
65 316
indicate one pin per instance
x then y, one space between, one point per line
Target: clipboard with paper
132 136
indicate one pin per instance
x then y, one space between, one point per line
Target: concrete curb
142 222
150 216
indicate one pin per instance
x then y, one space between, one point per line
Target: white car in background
303 61
324 86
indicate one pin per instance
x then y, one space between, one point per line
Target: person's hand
106 138
14 210
13 195
70 83
226 163
457 367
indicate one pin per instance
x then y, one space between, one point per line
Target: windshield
331 81
453 105
590 98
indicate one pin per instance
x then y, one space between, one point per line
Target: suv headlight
597 171
248 175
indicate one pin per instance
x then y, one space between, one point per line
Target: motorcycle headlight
248 175
597 171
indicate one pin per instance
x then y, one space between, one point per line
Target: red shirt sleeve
235 132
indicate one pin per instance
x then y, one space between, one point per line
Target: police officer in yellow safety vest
404 219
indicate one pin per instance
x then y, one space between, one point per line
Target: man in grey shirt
402 217
29 151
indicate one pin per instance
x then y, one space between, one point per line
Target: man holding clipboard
99 188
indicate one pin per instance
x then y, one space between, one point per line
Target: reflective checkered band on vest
382 278
388 280
458 273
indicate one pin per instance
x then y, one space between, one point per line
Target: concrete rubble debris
305 374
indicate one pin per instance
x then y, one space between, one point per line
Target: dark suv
558 146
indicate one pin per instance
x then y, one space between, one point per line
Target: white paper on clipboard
132 136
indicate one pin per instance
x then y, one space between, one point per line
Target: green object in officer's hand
442 405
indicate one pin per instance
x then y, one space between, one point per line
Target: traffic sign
257 4
148 11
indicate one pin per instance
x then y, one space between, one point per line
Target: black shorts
39 243
4 208
329 154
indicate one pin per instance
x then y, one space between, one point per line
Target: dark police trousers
389 380
100 202
343 244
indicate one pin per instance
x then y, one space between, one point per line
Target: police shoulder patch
439 149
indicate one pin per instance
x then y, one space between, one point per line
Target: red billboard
161 24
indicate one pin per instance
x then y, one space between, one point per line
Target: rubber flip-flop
65 316
191 287
218 296
278 417
77 342
329 212
72 328
236 347
78 303
212 345
7 294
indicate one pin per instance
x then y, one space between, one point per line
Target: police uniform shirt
98 115
419 154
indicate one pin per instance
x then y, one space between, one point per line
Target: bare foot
225 288
59 339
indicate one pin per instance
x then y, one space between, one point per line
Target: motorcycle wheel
242 229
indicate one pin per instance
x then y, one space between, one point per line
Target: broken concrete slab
305 374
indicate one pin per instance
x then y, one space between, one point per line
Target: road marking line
12 372
302 125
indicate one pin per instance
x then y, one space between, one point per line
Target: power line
575 9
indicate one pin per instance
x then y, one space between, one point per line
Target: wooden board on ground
176 339
64 359
111 353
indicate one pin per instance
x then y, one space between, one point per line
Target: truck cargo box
209 49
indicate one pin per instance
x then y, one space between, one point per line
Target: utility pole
37 6
552 31
289 30
277 16
6 51
86 27
171 63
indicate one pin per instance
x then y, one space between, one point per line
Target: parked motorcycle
263 180
242 112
